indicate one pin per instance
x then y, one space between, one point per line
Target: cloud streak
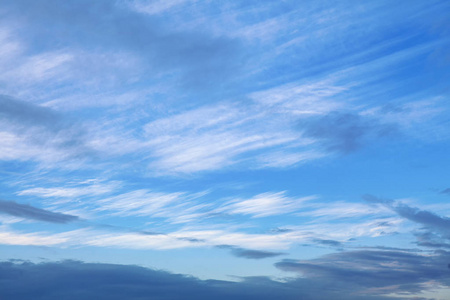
423 217
250 254
33 213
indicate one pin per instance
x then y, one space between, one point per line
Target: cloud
265 204
423 217
435 232
331 243
159 6
374 272
345 132
83 189
341 210
177 207
198 59
25 113
249 254
217 136
78 280
29 129
34 213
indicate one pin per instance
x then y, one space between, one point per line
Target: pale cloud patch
158 6
10 237
176 207
302 99
285 159
341 210
266 204
39 67
9 46
69 192
343 231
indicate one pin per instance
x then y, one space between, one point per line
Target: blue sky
232 149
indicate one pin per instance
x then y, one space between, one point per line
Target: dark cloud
250 254
435 232
331 243
374 272
34 213
416 215
345 132
76 280
431 240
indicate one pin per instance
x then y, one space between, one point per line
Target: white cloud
9 46
10 237
70 192
282 159
40 67
340 210
174 207
303 98
214 137
266 204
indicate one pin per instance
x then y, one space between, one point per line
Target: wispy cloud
211 138
342 210
145 203
159 6
266 204
70 192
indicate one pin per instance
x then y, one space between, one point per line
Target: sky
198 149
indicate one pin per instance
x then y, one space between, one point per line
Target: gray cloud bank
76 280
